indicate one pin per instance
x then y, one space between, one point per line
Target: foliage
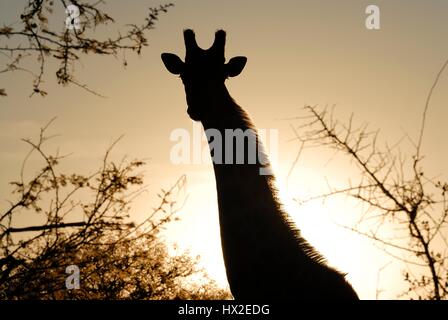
85 222
36 35
398 194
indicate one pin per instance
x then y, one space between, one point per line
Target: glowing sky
299 52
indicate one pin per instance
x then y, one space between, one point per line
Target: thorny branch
397 193
77 211
35 35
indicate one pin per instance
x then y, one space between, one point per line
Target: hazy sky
299 52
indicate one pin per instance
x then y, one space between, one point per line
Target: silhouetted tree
41 35
85 222
398 194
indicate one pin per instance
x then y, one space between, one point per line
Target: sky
299 52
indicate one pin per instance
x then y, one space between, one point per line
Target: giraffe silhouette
265 256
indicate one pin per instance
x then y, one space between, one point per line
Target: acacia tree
40 33
398 194
85 222
84 219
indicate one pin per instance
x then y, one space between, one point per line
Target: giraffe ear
173 63
235 66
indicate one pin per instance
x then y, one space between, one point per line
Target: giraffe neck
232 167
252 224
264 254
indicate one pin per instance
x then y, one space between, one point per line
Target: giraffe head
203 73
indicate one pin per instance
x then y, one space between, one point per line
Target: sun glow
325 225
319 222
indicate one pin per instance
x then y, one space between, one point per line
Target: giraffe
264 253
